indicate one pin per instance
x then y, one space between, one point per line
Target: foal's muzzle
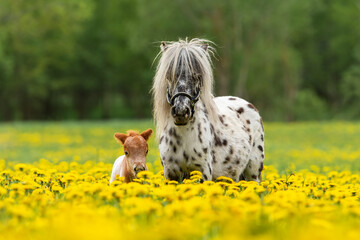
139 168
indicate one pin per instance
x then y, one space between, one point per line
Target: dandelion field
54 185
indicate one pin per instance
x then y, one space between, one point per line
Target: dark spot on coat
199 130
185 156
231 151
240 110
217 140
171 159
172 132
260 148
261 167
227 160
262 137
248 121
197 153
229 168
197 164
237 162
262 156
254 176
213 157
206 177
171 143
224 142
210 170
252 107
221 119
232 98
205 150
250 138
161 139
211 128
174 148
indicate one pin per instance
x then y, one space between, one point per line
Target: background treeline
93 59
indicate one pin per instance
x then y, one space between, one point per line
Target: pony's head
135 148
183 76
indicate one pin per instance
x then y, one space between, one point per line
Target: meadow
54 184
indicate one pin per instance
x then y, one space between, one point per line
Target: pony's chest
184 145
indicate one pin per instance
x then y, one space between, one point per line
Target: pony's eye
126 153
147 151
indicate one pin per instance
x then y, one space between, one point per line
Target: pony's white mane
169 57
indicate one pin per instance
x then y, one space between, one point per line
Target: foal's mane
195 49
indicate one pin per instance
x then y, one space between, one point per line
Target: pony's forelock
199 49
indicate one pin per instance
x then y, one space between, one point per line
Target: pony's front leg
172 174
205 169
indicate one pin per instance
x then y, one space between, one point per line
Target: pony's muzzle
181 114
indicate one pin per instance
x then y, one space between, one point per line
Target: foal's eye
147 151
126 153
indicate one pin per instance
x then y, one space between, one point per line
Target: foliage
91 59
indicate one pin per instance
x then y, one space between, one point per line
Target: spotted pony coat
223 136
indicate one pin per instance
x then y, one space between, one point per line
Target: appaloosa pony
220 136
134 160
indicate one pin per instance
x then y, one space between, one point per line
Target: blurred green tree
92 59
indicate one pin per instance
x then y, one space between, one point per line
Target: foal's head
135 148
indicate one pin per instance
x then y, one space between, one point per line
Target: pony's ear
205 46
121 137
163 46
146 134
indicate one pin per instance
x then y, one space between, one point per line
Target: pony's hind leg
256 159
253 171
256 163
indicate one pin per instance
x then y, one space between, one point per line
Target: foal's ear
121 137
146 134
163 46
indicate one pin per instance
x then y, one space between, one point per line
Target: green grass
288 146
